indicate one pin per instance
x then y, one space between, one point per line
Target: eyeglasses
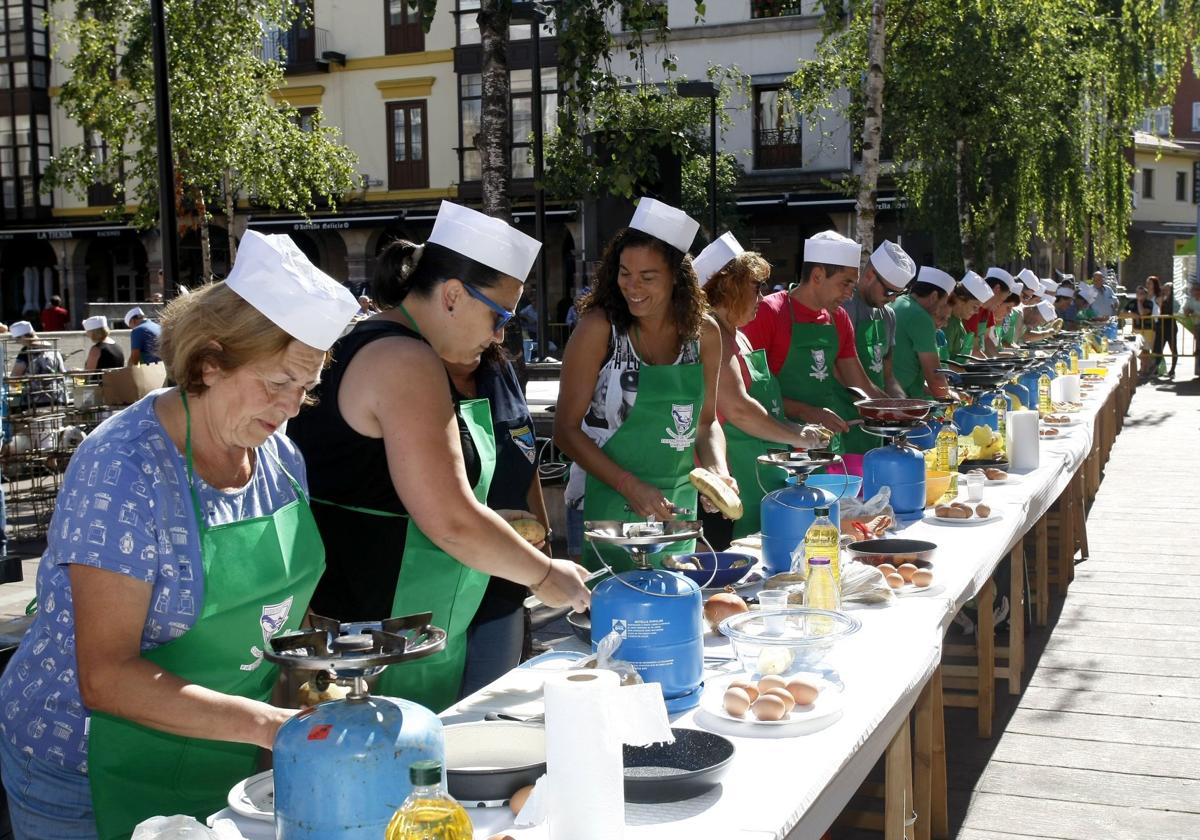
502 315
888 291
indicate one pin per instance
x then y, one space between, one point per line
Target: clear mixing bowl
784 641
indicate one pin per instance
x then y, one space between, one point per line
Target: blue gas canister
786 515
902 468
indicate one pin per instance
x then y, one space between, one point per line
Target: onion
722 605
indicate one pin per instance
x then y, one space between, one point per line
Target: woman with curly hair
637 399
749 403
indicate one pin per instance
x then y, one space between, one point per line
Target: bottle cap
822 511
427 771
818 561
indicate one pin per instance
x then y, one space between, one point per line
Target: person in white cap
1064 302
749 402
982 323
889 271
42 361
809 337
143 340
638 392
183 540
915 360
401 466
105 353
969 295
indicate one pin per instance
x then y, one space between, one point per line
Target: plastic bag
178 827
604 658
877 505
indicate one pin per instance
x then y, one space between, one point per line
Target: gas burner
357 649
800 464
640 539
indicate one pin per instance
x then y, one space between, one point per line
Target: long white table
794 787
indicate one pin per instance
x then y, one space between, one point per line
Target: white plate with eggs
800 720
933 518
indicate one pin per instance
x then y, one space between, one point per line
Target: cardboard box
127 385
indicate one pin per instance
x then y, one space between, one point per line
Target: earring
451 308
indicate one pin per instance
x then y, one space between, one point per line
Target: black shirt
1145 309
111 356
362 551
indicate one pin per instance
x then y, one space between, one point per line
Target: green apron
872 346
807 372
742 450
959 342
258 577
980 334
943 345
656 443
433 581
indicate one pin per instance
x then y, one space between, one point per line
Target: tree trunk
205 240
495 132
229 209
964 213
872 135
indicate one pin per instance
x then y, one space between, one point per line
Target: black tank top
111 356
362 551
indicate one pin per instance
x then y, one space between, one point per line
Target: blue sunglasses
502 315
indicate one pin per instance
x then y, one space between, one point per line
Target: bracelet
549 568
623 480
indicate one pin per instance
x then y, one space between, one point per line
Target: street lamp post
166 163
701 90
536 14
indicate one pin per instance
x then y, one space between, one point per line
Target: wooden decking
1104 741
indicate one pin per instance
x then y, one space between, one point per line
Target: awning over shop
272 224
80 232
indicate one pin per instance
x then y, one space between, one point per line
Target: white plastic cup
771 600
974 487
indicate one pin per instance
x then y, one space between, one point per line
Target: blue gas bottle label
639 628
320 732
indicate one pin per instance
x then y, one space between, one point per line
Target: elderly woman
637 396
749 403
182 540
105 353
401 470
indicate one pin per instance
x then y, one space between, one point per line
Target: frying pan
581 625
977 379
892 410
488 761
694 764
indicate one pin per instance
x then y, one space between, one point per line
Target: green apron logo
272 620
682 436
877 358
819 371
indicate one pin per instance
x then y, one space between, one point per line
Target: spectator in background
1105 305
54 317
143 341
1191 314
1142 307
1162 298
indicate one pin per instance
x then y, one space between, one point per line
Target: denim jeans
575 529
45 801
493 649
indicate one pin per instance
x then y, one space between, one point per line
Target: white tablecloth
794 787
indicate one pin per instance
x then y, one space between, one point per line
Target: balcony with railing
299 49
778 148
780 8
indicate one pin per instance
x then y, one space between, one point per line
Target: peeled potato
710 485
532 531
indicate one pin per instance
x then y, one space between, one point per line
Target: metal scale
788 511
658 614
341 767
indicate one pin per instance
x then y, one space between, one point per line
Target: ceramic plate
930 516
254 797
1074 421
818 715
1012 479
910 591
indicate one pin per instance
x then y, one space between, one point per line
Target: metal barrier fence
1184 331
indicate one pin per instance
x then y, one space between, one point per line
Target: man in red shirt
808 337
54 317
980 324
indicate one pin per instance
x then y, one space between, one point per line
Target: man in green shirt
915 358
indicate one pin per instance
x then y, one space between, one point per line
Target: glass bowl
784 641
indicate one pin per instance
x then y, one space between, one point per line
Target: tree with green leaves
230 138
1008 119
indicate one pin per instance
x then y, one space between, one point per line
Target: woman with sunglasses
749 402
400 471
637 396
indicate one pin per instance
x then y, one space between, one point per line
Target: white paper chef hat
1028 279
273 275
1065 291
831 248
96 322
939 278
20 329
136 312
1048 286
1047 311
662 221
715 256
893 265
485 239
1000 274
1088 293
975 285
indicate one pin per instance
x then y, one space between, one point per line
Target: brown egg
769 707
922 578
894 580
517 801
886 568
736 701
905 570
786 696
750 688
803 691
771 681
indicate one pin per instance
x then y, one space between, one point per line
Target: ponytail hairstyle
405 268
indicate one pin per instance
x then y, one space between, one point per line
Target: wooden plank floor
1105 739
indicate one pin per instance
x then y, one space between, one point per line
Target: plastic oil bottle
821 592
1074 360
822 540
947 457
429 813
1060 367
1000 406
1044 404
